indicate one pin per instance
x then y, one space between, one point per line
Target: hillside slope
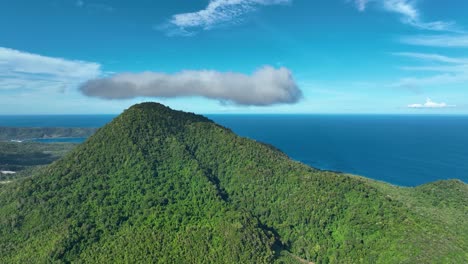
157 185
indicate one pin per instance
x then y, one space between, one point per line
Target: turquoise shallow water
403 150
59 140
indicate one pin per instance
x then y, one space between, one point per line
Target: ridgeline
162 186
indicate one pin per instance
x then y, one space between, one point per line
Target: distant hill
24 133
162 186
26 156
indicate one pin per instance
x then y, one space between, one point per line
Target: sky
234 56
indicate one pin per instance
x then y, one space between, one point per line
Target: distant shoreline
389 148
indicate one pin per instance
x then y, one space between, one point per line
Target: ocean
403 150
60 140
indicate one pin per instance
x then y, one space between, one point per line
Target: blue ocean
402 150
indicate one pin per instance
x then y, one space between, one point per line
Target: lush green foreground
157 185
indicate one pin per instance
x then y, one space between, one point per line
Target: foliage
161 186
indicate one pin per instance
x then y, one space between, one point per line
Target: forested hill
163 186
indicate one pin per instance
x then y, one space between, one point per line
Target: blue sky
234 56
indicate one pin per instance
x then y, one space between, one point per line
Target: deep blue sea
403 150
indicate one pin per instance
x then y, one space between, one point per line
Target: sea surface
403 150
55 120
59 140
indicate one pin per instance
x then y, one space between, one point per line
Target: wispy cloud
94 6
23 70
217 12
445 41
266 86
361 4
429 104
451 71
432 57
409 14
417 84
438 68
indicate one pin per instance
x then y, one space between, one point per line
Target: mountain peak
149 106
157 111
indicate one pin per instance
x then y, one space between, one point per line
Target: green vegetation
25 157
162 186
444 207
24 133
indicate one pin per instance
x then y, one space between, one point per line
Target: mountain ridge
182 188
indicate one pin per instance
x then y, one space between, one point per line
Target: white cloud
416 84
266 86
361 4
217 12
22 70
429 104
441 68
451 71
15 61
94 7
445 41
402 7
432 57
409 14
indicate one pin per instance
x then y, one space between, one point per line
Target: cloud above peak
430 105
266 86
216 13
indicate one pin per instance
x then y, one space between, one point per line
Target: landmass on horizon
389 148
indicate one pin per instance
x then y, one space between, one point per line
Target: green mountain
162 186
